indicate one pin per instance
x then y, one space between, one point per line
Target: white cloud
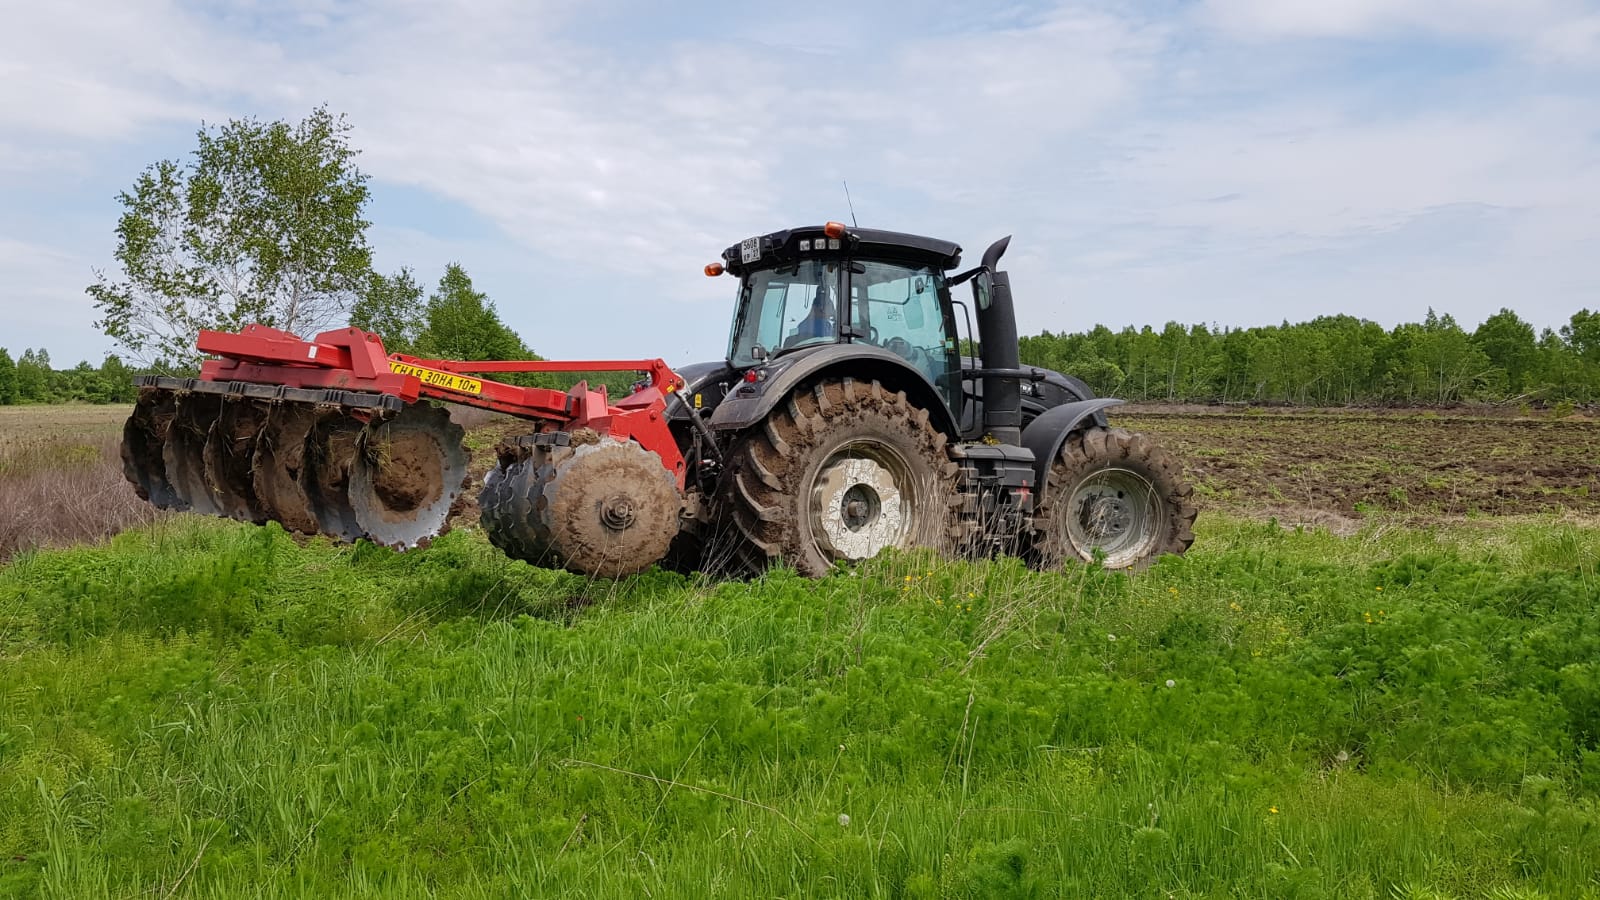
34 308
99 71
1564 31
1150 169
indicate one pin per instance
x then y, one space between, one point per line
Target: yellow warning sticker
434 378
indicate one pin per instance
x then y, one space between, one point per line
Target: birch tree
262 224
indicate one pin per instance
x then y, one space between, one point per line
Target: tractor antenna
852 206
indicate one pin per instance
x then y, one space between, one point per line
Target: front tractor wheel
1116 494
842 471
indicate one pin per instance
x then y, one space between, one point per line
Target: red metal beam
351 359
661 375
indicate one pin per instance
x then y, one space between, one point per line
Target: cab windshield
783 308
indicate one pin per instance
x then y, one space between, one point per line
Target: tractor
847 418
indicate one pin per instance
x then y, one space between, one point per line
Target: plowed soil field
1328 466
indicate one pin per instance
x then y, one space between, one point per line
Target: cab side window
898 307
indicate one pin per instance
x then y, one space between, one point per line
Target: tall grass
61 489
208 709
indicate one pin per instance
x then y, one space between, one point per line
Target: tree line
1336 360
30 378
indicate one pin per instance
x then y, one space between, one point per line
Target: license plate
750 250
434 378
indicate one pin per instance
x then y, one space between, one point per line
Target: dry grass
61 478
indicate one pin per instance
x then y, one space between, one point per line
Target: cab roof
811 241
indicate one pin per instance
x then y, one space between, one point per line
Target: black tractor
847 419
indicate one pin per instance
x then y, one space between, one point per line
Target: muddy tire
840 471
1116 493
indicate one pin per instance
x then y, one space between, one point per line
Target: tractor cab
808 288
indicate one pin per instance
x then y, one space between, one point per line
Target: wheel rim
860 502
1115 512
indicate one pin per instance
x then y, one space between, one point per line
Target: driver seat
818 323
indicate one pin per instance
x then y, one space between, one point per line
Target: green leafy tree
1436 362
1265 376
1509 344
1559 373
34 376
264 224
1172 356
82 383
1344 350
8 379
1144 365
462 323
391 306
1582 334
118 380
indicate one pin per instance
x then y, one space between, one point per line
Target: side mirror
981 288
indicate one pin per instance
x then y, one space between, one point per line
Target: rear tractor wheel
841 471
1114 493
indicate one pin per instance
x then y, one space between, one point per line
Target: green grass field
206 709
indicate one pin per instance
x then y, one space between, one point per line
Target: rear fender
750 402
1045 435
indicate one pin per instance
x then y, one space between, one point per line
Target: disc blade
184 452
406 475
143 437
325 477
228 452
275 466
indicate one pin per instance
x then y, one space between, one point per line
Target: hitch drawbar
333 436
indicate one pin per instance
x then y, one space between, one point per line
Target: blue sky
1236 162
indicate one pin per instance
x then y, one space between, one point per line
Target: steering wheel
872 334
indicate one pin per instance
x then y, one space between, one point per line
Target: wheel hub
617 513
1115 512
857 509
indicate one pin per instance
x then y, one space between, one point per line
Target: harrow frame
350 368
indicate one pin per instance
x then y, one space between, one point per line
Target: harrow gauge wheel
595 506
